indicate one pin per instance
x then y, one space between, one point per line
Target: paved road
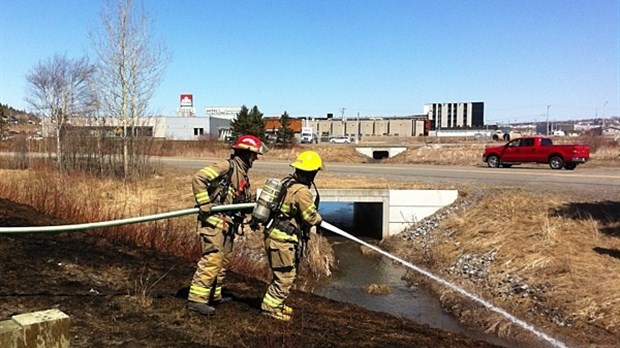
602 183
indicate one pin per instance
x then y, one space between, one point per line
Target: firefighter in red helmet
224 182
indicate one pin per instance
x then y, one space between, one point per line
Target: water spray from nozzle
554 342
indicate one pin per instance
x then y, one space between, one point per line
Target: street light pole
547 130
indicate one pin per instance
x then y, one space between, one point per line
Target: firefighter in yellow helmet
225 182
286 236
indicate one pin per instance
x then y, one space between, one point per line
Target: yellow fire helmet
308 161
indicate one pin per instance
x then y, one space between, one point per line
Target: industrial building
455 115
404 126
161 127
215 124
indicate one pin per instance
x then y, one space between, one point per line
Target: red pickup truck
536 149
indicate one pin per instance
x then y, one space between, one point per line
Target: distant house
612 131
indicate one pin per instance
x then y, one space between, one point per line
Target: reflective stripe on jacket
206 186
299 210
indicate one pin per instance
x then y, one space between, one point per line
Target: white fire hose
101 224
324 224
443 282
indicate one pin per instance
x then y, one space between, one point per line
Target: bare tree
58 90
130 67
4 124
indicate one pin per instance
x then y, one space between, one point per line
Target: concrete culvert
380 154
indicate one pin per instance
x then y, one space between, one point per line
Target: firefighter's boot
282 312
201 308
277 314
287 310
220 300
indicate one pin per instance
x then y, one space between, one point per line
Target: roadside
551 261
123 296
605 152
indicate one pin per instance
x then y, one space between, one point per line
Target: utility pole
547 130
344 121
357 129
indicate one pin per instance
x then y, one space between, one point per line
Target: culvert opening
380 154
361 219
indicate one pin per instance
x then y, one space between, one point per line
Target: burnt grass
119 295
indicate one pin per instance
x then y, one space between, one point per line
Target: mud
117 295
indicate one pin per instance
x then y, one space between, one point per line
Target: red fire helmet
249 142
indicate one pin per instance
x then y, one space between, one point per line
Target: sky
522 58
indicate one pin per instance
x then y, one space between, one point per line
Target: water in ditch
356 271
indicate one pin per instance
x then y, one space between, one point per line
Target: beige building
406 126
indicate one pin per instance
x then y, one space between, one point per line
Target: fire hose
324 224
112 223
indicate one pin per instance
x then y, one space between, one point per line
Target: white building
225 112
161 127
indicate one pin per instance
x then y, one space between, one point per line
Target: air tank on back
268 200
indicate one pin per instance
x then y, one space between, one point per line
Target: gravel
476 268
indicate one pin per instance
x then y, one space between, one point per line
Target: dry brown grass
366 251
144 284
378 289
215 149
319 260
86 199
607 156
465 154
550 243
605 152
570 249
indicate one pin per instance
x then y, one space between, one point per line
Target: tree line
251 122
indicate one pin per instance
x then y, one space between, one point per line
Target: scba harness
269 210
219 190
